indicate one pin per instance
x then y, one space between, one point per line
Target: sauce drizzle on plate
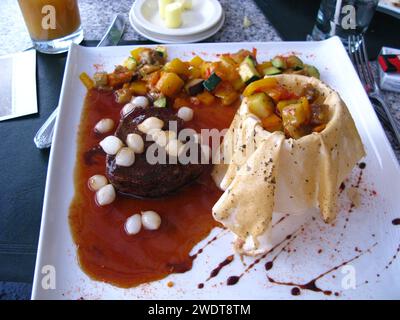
105 252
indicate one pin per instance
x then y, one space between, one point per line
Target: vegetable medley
281 110
177 83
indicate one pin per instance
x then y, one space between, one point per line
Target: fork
358 55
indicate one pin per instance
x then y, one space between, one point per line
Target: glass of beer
52 24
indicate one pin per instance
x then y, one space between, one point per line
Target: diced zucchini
270 71
100 79
194 87
312 71
297 114
248 71
294 63
211 83
279 62
162 51
261 105
130 63
161 102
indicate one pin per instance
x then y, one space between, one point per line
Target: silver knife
44 136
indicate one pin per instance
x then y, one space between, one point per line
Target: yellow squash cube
169 84
177 66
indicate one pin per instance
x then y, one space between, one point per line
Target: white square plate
319 248
389 7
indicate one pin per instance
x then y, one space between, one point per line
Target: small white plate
177 39
203 15
315 250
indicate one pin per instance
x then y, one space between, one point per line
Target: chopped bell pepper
86 80
260 86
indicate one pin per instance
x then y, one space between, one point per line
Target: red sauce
105 251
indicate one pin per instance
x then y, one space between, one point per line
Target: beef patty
143 179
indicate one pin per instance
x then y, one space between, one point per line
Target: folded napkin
18 85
